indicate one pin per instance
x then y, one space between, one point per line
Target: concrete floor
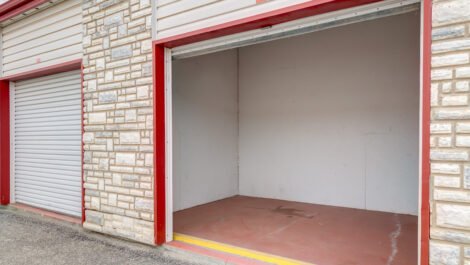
319 234
30 239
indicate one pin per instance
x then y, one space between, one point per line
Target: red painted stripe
83 144
426 122
17 7
159 144
310 8
49 70
4 142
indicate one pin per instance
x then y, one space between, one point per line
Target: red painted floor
323 235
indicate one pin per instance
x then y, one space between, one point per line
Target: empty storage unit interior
303 147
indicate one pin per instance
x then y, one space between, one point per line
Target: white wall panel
47 142
332 117
205 129
180 16
49 37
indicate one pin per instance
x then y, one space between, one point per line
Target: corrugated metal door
47 142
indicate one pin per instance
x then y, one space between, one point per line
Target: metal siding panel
48 142
182 6
202 13
51 55
40 49
48 12
213 13
50 37
165 2
30 37
45 39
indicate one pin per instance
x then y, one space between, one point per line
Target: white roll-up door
284 30
47 142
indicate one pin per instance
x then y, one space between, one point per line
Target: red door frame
5 121
310 8
4 142
426 133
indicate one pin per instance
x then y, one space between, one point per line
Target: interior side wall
332 117
205 129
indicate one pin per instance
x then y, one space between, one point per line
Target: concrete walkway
31 239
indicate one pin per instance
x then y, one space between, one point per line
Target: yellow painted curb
237 251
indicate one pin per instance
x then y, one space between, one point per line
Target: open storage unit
302 143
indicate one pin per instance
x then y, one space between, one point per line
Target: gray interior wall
205 129
332 117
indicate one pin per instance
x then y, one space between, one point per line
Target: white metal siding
47 142
46 38
180 16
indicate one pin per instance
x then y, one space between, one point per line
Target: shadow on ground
31 239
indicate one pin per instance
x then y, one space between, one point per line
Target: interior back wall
332 117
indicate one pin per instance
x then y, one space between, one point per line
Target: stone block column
118 118
450 133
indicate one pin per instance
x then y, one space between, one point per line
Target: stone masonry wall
118 116
450 133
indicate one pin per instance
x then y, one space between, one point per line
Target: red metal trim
310 8
426 123
11 5
83 144
13 8
159 144
4 142
49 70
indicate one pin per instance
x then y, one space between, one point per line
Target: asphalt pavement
27 238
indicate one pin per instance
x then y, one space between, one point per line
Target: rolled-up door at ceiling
47 142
